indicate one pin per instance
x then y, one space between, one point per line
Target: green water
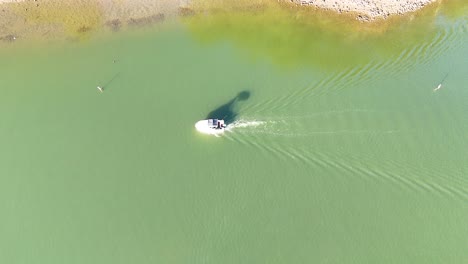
329 160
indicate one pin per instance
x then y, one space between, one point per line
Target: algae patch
293 35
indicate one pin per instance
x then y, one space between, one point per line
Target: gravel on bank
369 9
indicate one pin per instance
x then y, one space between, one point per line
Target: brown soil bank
369 9
76 19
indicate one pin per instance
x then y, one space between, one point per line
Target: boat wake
244 124
314 124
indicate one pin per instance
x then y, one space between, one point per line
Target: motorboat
211 126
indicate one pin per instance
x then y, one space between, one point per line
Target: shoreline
368 10
77 19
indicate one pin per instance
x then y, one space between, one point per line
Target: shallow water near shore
326 160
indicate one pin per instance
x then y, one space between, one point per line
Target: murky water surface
338 149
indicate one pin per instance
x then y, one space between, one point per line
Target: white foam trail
331 133
243 124
284 128
322 114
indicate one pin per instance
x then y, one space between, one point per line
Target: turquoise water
353 160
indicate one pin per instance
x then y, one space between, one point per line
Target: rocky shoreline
367 10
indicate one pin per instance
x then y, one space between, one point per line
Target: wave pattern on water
283 136
292 127
422 180
427 52
368 74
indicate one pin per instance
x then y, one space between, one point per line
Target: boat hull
203 127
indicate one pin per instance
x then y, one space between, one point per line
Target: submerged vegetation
289 34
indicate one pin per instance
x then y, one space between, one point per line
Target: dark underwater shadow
227 111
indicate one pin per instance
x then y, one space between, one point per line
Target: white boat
211 126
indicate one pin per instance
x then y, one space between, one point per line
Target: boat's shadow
227 111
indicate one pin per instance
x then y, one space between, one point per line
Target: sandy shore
77 18
369 9
20 19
